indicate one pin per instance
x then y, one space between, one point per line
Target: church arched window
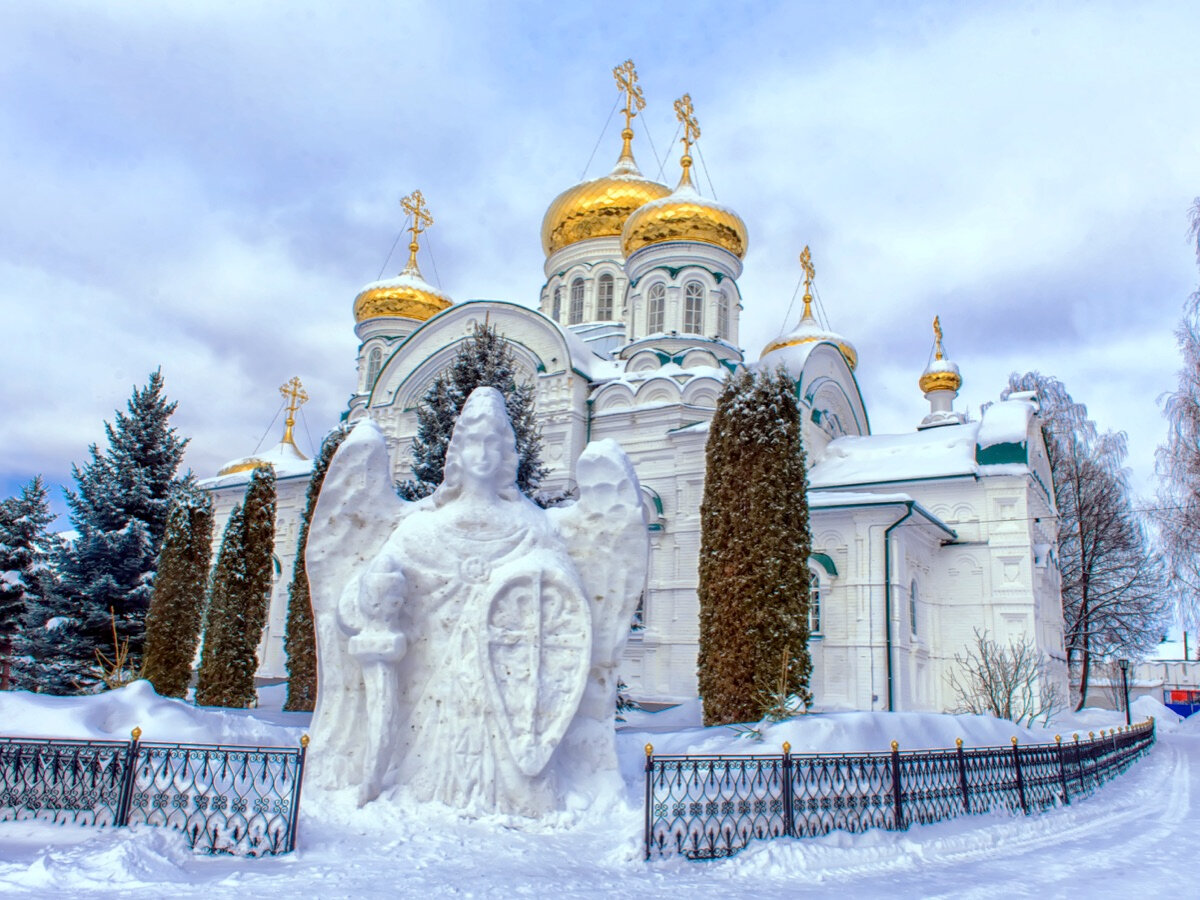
814 603
912 608
604 298
656 308
576 311
693 308
374 364
556 309
723 316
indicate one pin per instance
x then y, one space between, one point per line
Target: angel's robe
498 647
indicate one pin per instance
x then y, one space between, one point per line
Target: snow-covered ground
1137 835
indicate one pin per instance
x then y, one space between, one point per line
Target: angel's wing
605 533
357 511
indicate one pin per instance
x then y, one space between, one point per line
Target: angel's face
482 456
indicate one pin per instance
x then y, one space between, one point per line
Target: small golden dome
941 374
598 208
685 216
406 296
808 330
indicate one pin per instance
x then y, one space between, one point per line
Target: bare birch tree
1113 586
1179 462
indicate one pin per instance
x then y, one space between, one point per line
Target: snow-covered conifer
25 548
300 641
485 358
1112 582
119 512
754 553
180 590
241 592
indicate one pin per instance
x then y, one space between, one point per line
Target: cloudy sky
206 186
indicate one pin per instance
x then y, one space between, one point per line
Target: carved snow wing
538 647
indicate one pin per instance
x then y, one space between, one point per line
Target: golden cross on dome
295 396
691 130
626 76
809 273
414 205
937 337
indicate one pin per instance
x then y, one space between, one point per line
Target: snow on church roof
284 458
944 452
934 453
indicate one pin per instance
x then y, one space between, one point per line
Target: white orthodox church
918 538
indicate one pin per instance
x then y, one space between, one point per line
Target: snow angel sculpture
467 643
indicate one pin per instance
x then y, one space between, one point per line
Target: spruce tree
119 513
485 358
754 553
180 590
239 599
300 641
25 547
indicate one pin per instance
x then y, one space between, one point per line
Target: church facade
919 539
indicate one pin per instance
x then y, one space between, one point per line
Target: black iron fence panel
237 800
63 782
706 807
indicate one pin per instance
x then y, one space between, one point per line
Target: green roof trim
826 563
1001 454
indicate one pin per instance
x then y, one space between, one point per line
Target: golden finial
958 743
787 748
1058 739
304 740
895 746
295 396
136 733
414 205
691 133
626 76
1014 740
809 273
649 749
937 337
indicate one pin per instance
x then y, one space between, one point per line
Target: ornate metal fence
706 807
237 800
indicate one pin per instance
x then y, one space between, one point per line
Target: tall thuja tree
119 512
300 642
1179 462
754 549
239 598
180 590
25 547
485 358
1112 583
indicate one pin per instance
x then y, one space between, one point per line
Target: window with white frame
604 298
575 315
556 309
912 608
374 364
814 603
723 316
656 308
693 308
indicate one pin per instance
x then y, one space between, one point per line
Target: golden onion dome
407 296
598 208
940 374
685 216
809 331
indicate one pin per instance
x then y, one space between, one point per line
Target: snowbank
114 714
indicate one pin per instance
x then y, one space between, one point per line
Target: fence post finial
787 748
304 740
1058 739
1014 740
895 746
649 749
958 743
136 734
